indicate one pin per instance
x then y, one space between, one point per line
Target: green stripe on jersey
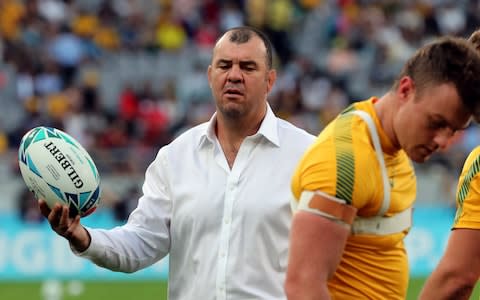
465 186
350 108
345 158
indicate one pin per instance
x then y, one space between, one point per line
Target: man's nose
235 74
442 138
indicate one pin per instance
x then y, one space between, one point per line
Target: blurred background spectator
124 77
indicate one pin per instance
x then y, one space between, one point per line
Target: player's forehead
442 104
251 50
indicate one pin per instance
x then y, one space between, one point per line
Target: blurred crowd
124 77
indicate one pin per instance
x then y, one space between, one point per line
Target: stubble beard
232 112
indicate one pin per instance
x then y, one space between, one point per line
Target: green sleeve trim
345 158
464 188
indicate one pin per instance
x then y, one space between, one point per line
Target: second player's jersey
468 193
342 163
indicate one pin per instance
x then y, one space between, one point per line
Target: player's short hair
447 60
243 34
474 39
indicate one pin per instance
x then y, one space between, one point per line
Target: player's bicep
316 247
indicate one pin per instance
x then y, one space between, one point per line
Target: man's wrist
80 242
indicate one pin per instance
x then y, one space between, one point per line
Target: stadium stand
126 76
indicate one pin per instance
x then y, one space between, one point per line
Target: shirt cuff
94 249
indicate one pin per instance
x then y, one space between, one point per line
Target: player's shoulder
472 161
347 127
474 154
354 119
345 138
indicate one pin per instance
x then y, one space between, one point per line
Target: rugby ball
56 168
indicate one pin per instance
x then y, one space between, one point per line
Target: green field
115 290
130 290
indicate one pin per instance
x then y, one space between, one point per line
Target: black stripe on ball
73 211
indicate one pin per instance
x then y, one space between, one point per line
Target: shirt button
227 221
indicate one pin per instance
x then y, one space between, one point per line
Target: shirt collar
268 129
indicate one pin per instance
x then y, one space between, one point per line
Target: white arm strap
378 150
380 225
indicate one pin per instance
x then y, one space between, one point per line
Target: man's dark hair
447 60
243 34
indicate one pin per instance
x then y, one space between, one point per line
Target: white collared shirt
225 230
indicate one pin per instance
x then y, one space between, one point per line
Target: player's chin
420 159
420 156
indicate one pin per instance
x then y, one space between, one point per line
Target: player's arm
318 236
459 269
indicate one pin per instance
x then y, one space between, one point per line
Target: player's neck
385 108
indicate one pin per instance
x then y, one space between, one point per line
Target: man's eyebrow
448 124
224 61
248 63
242 62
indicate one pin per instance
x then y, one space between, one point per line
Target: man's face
239 78
426 122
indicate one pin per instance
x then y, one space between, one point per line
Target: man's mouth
233 92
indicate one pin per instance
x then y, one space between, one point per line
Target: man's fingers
63 226
76 221
71 228
64 221
44 209
55 215
60 221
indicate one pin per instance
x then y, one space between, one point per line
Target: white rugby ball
56 168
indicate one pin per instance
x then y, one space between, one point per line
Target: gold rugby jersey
342 163
468 193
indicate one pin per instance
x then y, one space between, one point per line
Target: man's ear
405 89
209 75
271 78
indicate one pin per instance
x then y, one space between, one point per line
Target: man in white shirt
217 199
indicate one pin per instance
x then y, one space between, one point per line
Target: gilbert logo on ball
56 168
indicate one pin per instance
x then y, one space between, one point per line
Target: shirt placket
223 252
231 192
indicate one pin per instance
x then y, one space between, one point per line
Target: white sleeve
145 238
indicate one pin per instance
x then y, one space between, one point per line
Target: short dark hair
243 34
447 60
474 39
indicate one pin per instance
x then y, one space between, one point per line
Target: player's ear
405 89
